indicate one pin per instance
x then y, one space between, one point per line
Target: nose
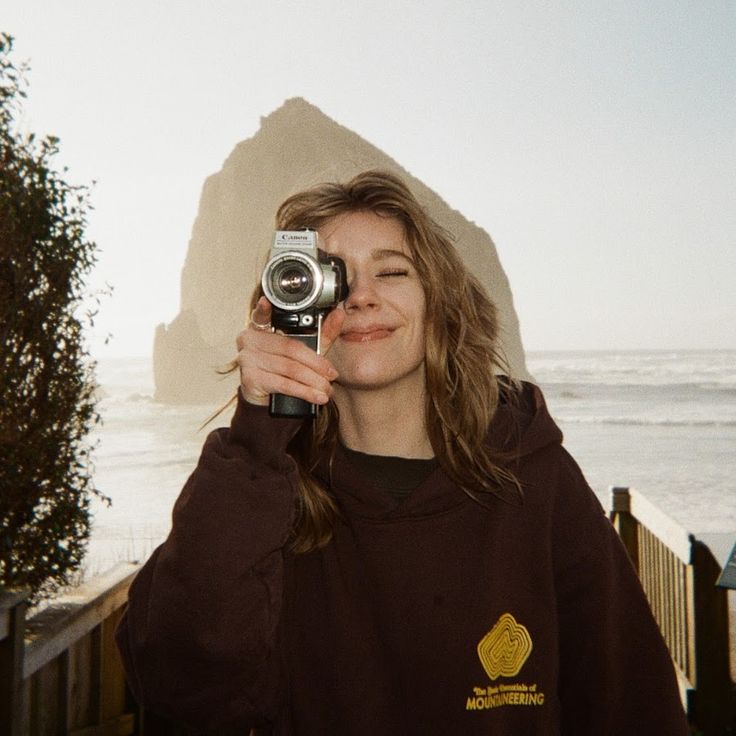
361 294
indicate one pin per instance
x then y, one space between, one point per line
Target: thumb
261 315
331 329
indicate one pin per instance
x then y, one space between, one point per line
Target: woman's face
381 343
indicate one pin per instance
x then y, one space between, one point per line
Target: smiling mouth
366 335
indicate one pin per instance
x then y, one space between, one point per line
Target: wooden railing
678 573
60 672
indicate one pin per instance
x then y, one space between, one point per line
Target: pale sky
595 142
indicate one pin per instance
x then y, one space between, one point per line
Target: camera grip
289 406
280 405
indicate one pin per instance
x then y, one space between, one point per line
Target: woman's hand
273 363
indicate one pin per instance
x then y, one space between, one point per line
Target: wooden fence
679 573
60 672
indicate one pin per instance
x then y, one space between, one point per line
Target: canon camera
303 284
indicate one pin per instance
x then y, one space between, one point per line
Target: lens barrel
292 281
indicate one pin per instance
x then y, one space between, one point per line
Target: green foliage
47 404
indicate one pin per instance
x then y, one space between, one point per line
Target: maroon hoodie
437 615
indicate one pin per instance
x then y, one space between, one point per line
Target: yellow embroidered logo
505 648
502 652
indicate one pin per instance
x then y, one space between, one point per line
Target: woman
423 558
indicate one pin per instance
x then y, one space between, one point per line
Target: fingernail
332 374
322 398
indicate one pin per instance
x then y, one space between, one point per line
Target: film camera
303 284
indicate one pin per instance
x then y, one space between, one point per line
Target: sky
594 141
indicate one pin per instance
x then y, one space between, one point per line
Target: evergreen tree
47 404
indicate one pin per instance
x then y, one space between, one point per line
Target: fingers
275 363
261 315
331 329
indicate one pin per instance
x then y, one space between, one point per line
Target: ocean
663 422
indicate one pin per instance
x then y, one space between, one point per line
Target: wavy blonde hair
462 353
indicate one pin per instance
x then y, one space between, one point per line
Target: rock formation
296 146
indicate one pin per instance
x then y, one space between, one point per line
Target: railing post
713 700
12 629
625 523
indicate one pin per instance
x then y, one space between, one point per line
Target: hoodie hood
522 424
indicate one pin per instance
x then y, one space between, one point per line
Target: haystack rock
297 146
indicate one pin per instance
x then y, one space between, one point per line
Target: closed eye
393 272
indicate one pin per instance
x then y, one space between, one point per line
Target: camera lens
294 281
291 281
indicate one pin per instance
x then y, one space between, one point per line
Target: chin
370 375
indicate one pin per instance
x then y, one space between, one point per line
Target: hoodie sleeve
616 674
198 638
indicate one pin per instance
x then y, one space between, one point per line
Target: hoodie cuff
264 436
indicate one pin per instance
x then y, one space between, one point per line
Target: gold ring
261 328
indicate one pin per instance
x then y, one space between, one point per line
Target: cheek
421 322
413 303
421 345
417 346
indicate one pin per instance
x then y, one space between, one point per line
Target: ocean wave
579 388
714 370
648 422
